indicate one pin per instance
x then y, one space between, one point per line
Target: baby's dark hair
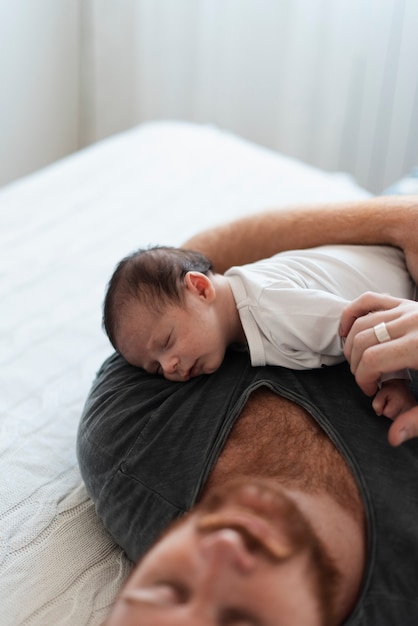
153 276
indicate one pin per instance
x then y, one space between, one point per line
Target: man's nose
226 549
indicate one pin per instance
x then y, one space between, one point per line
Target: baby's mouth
188 374
194 370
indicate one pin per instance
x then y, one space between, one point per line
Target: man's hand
369 359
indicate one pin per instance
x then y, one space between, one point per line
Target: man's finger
367 303
405 427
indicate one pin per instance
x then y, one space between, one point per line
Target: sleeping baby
167 311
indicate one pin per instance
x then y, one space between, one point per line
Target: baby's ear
200 285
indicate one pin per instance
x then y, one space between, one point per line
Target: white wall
39 83
109 73
332 82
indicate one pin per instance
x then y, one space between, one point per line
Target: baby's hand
395 401
393 398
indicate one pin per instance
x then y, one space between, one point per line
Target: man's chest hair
276 438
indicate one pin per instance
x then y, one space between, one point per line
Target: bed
62 231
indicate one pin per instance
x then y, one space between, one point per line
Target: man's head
158 313
246 556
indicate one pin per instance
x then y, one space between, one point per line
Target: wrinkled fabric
146 446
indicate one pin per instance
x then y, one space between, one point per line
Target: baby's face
185 341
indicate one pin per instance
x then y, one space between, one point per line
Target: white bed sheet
62 231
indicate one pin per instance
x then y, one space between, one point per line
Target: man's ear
200 285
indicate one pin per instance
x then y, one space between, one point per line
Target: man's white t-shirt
290 304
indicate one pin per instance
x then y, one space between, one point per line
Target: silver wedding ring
381 333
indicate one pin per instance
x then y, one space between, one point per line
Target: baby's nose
169 364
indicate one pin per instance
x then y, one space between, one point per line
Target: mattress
62 231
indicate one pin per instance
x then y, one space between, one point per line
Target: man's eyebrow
237 617
132 595
138 596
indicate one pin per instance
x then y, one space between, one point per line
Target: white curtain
331 82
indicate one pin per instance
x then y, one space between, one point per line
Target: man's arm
391 220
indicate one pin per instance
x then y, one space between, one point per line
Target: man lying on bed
326 534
